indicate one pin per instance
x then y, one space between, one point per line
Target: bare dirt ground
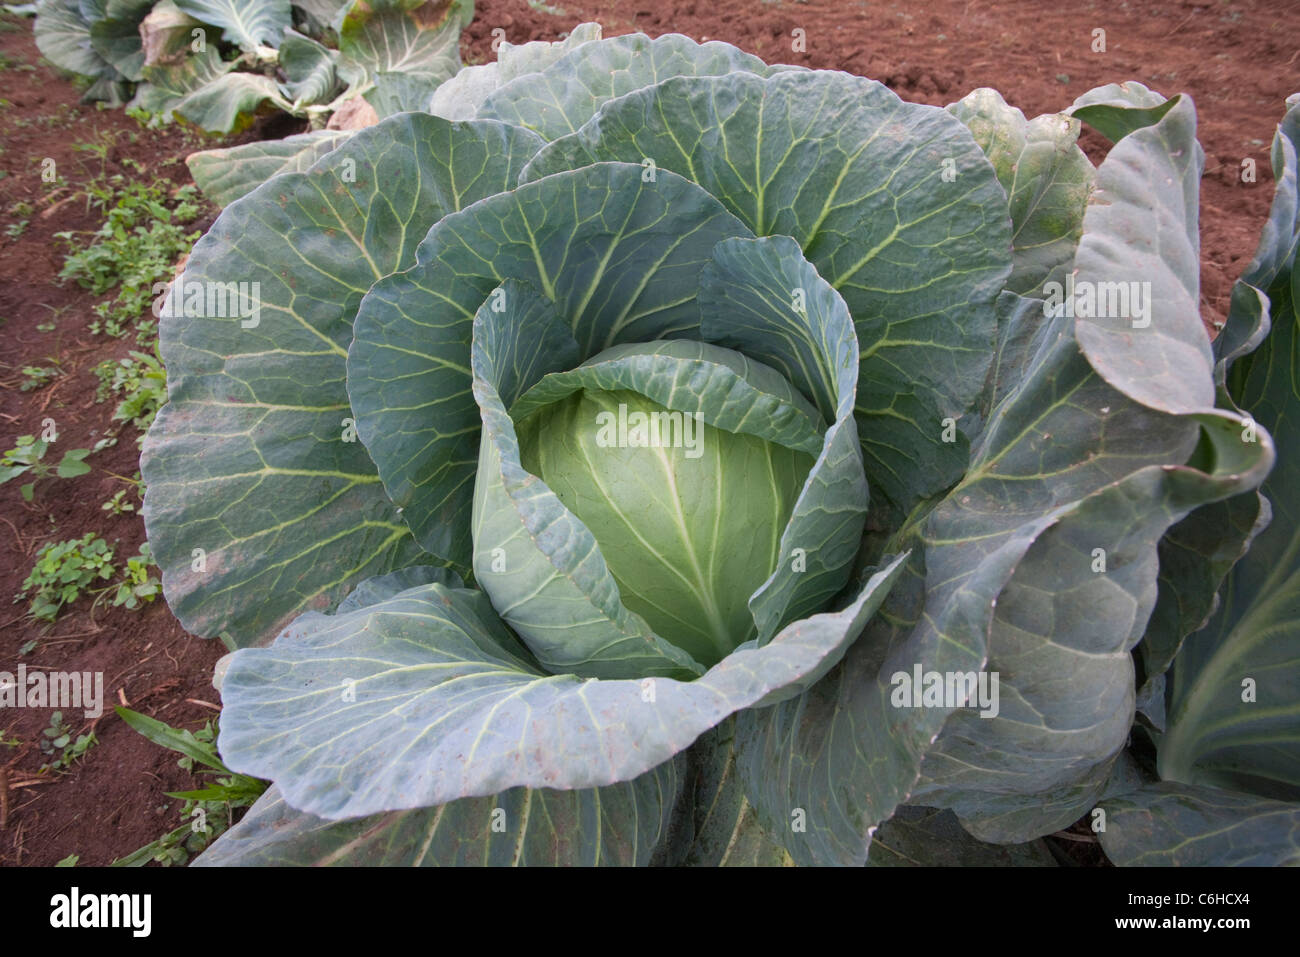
1236 58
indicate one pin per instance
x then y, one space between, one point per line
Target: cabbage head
653 456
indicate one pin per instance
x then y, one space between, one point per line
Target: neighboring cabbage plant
606 460
225 174
215 63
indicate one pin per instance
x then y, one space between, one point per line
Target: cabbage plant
661 457
215 63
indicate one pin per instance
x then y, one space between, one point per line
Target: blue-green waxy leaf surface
1183 825
205 90
308 67
622 266
714 824
621 825
1085 592
224 175
1199 551
257 483
248 23
1229 756
1230 749
405 49
983 552
1060 641
374 590
1234 699
1047 178
566 94
460 97
1004 581
63 37
1195 556
1142 331
1118 109
117 40
927 837
321 14
1277 241
918 255
989 490
840 752
329 712
227 102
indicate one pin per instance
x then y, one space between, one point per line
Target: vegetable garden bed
1123 492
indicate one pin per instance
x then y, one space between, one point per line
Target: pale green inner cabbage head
689 527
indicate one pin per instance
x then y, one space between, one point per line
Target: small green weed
141 383
141 238
119 504
59 745
28 456
63 571
37 377
138 586
208 812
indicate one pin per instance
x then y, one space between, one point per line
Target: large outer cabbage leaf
226 174
254 459
1006 578
1229 757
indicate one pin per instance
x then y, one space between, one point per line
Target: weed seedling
138 586
59 745
37 377
29 456
140 239
141 382
64 570
119 503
